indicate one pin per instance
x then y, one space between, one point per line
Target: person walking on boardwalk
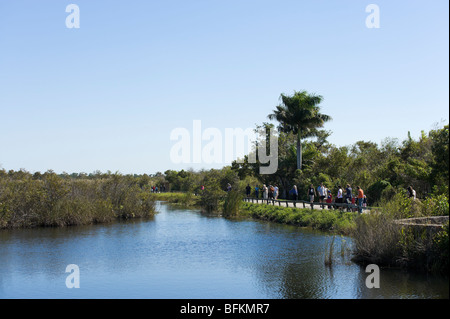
248 189
348 195
360 199
329 199
322 191
311 194
265 191
271 189
295 192
256 191
340 196
354 203
411 192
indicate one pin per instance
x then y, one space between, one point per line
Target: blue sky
106 96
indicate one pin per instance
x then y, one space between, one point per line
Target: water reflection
184 254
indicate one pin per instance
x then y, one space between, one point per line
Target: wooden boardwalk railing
304 204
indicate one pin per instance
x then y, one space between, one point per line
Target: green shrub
377 189
212 196
400 206
232 204
436 205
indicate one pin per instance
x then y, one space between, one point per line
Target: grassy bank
327 220
52 200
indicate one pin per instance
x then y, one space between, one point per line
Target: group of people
155 189
322 193
267 192
325 196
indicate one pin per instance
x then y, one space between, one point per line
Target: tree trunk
299 150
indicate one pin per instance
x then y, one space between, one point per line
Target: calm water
184 254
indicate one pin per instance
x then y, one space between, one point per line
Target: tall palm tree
300 114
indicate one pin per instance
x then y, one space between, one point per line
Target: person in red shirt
329 199
360 199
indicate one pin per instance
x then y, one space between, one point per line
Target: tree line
306 157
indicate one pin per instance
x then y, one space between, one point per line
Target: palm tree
300 114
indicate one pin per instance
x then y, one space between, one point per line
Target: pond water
183 254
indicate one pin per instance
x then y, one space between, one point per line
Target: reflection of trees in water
302 281
399 284
295 269
290 263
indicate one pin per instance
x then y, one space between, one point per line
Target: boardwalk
304 204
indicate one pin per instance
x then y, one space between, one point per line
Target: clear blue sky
106 96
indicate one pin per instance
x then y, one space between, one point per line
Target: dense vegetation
49 199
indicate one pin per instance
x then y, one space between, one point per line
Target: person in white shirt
265 191
340 196
411 192
322 191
